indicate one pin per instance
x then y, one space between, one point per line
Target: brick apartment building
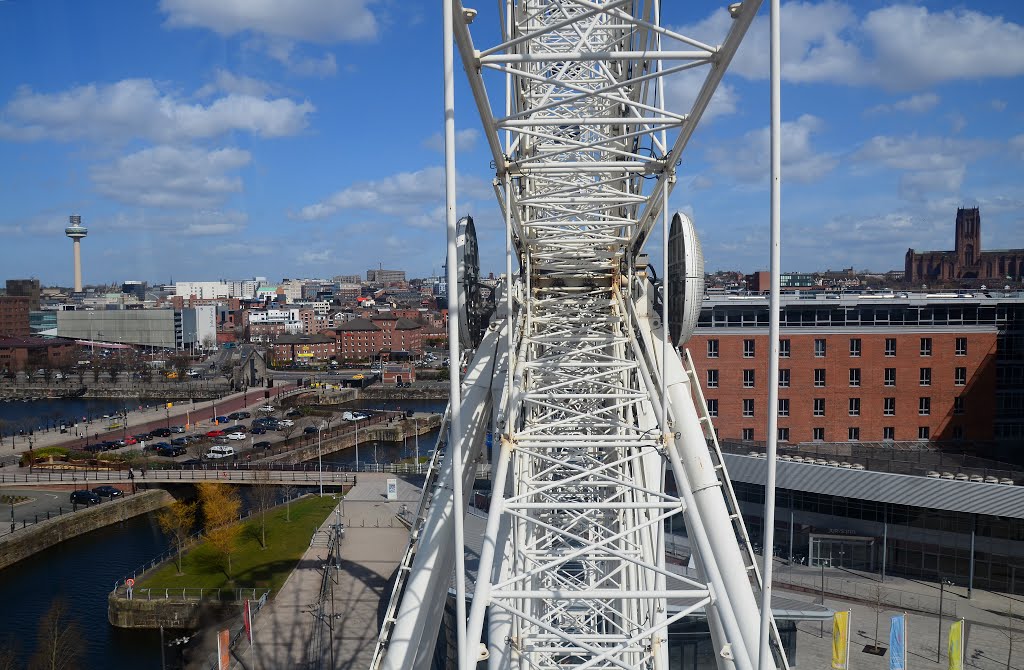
292 349
860 368
359 339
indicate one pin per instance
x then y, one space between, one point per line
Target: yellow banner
955 648
841 641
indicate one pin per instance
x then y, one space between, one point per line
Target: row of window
853 433
924 406
924 377
820 347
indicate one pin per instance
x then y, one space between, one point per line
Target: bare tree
288 490
263 494
879 607
1013 632
176 521
60 641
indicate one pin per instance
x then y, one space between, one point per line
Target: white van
220 451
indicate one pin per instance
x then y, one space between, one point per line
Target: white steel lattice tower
596 405
76 231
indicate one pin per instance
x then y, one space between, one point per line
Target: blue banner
898 642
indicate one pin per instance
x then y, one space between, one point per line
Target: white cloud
166 176
915 104
930 165
681 90
285 53
465 140
321 21
914 48
136 108
899 47
411 195
998 104
229 82
747 159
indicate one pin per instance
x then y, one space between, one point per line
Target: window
748 379
924 406
712 407
819 407
819 348
889 406
853 433
855 347
712 348
748 348
854 376
890 376
818 434
748 434
958 432
783 434
888 432
854 406
960 377
959 405
926 346
961 346
783 406
926 376
784 378
712 379
748 407
819 377
890 346
783 348
922 432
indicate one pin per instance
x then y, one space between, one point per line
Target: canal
82 571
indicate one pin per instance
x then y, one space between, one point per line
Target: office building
14 316
28 288
152 328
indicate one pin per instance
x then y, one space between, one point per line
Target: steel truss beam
572 570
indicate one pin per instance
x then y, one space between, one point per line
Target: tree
209 343
181 363
176 521
1013 632
263 493
60 641
221 504
288 491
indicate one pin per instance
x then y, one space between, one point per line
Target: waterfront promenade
370 551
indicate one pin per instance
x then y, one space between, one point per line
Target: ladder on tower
731 502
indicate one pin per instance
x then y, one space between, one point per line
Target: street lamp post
943 583
320 456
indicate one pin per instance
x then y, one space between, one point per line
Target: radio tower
76 231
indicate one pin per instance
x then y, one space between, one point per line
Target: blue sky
205 139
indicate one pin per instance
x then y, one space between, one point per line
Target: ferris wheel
578 377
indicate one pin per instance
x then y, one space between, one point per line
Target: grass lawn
251 565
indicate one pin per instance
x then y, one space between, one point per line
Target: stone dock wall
45 534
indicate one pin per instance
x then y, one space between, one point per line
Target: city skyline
199 140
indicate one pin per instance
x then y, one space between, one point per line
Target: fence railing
9 528
884 595
191 594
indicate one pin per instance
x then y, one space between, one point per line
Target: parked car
308 430
293 412
84 497
171 452
286 422
223 419
236 436
244 415
268 408
130 440
235 416
220 452
354 416
177 429
179 442
258 430
161 432
215 433
142 437
108 492
262 445
238 428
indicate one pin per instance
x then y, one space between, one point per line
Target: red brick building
361 339
27 353
304 349
14 320
848 377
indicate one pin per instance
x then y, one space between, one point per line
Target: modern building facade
868 368
385 276
967 260
154 328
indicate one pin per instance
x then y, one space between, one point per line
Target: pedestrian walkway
370 551
986 615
